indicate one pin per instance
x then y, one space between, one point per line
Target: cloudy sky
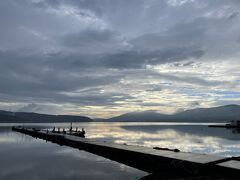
102 58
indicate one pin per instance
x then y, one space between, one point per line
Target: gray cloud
40 108
190 79
70 51
139 59
31 76
89 37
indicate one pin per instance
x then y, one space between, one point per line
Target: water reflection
189 138
23 157
235 130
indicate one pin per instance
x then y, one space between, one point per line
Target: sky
102 58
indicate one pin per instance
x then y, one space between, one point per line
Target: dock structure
152 160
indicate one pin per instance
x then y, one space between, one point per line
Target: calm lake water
23 157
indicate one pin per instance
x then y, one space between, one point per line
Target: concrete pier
150 160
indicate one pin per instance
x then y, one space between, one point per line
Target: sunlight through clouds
104 58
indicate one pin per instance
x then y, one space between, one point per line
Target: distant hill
25 117
143 116
215 114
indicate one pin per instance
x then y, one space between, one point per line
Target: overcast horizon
105 58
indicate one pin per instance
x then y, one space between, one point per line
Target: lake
23 157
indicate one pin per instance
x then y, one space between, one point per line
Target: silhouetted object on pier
78 133
64 132
70 127
167 149
83 131
35 129
70 132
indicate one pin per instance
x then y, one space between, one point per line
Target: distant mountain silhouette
215 114
141 117
25 117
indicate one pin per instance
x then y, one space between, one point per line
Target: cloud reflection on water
23 157
189 138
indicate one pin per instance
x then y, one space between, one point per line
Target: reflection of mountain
216 114
199 130
24 117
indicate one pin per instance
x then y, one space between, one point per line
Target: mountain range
215 114
29 117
